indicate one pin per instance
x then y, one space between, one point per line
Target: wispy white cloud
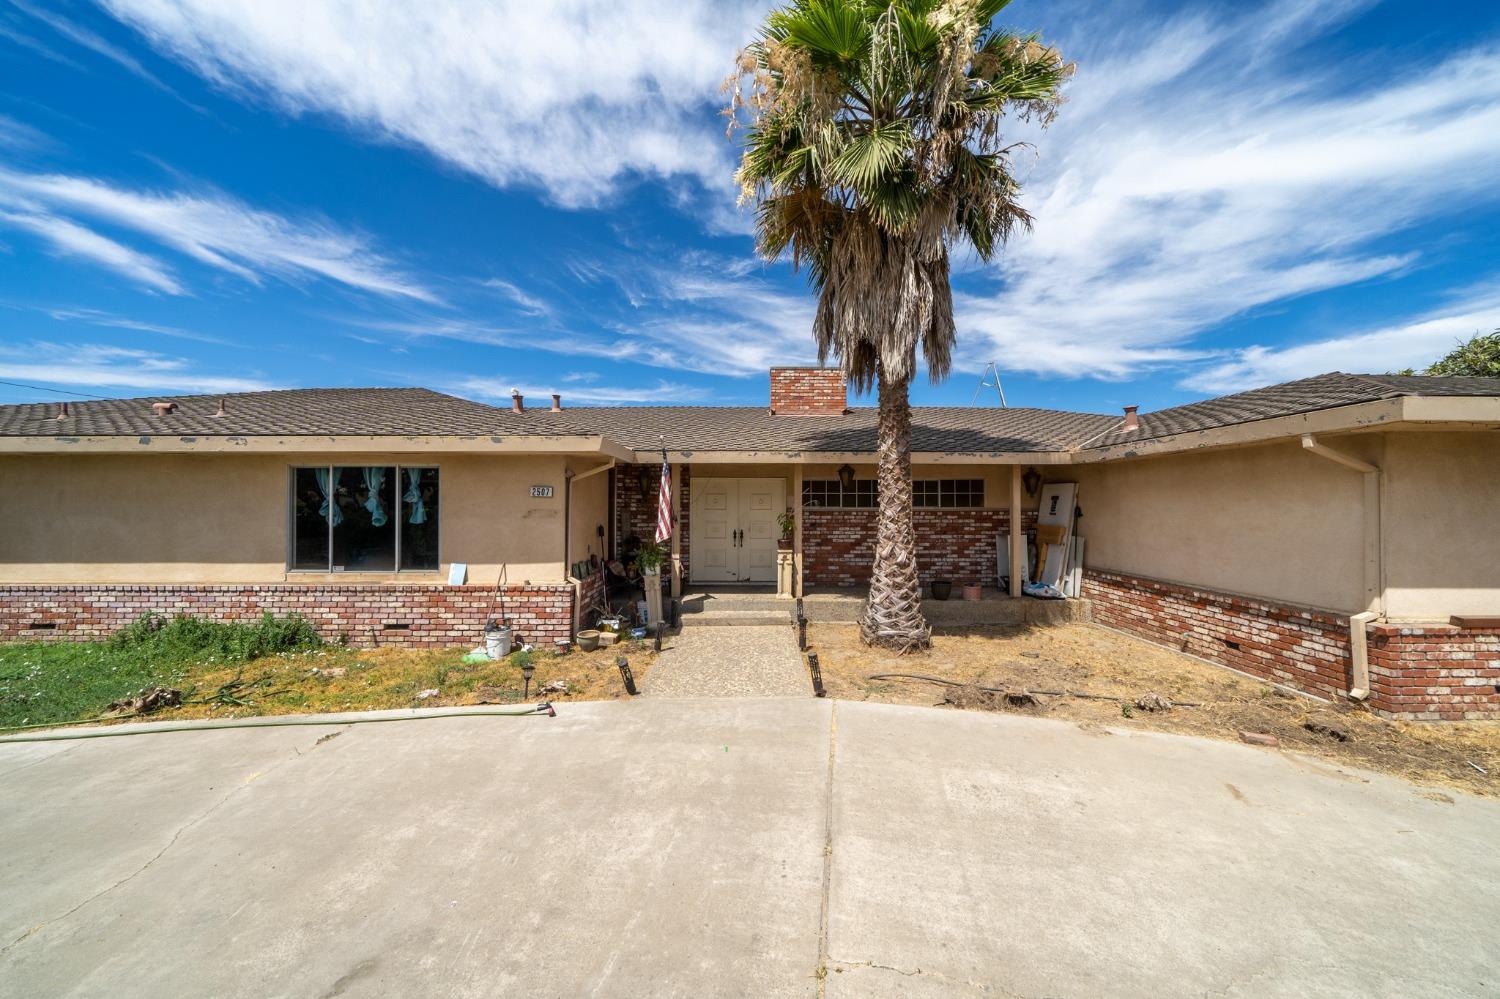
1412 343
528 303
90 40
221 232
573 95
1207 166
19 135
84 365
73 240
97 317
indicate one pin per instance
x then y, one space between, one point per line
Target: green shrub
191 639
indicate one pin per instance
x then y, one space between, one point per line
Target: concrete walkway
731 848
733 661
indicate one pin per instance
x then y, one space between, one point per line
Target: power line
39 388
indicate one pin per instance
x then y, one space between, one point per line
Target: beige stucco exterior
1442 524
224 518
1280 522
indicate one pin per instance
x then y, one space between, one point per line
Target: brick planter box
417 616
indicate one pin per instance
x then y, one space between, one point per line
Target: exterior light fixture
645 480
527 672
846 476
1032 480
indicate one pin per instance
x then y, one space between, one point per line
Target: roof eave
321 443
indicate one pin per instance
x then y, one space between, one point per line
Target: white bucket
497 643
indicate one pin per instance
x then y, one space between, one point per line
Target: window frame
870 486
328 570
976 499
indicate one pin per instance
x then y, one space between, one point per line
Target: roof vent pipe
517 401
1131 422
220 411
62 411
163 408
556 403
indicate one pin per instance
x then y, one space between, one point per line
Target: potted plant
942 589
649 559
788 523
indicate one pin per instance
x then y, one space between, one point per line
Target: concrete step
717 618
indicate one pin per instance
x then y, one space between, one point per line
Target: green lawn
62 681
47 682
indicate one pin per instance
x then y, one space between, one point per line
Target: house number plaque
541 492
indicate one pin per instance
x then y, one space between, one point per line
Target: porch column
676 530
797 530
1017 539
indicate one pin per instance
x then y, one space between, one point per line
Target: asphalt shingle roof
400 412
1291 398
381 412
749 428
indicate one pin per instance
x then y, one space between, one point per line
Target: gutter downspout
1359 653
569 477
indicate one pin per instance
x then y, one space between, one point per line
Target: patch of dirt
340 679
1151 685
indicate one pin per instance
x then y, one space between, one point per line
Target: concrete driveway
731 848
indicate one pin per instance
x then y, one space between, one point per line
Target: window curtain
321 474
414 497
374 478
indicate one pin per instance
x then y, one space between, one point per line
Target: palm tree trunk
893 615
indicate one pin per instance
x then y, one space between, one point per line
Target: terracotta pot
942 589
972 591
588 641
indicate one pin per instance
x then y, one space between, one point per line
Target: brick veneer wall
1416 671
1435 671
807 391
434 615
838 546
635 515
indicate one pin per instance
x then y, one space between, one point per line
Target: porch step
718 618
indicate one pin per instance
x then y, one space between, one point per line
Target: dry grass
1098 661
374 679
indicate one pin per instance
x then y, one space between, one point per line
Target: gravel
741 661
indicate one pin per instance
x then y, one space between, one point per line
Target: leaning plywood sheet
1058 501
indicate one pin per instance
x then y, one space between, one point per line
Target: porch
731 605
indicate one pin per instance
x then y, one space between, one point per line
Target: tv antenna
990 379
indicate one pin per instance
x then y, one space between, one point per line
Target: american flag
664 501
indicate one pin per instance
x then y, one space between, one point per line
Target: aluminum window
364 518
830 494
948 494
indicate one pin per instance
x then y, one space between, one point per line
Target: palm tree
873 148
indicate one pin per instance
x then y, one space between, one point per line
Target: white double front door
734 529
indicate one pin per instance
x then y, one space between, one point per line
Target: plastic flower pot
942 589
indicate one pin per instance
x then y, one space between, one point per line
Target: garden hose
543 708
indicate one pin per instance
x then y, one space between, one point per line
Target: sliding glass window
364 518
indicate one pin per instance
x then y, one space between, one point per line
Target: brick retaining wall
416 616
838 546
1416 671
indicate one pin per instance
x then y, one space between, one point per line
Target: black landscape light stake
676 613
817 674
801 633
527 672
661 626
626 675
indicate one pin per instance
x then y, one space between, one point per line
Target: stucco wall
1442 524
590 512
224 518
1272 521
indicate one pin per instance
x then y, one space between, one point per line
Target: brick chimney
809 392
1131 422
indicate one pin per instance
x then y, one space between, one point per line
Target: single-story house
1338 533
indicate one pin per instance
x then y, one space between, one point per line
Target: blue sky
199 195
